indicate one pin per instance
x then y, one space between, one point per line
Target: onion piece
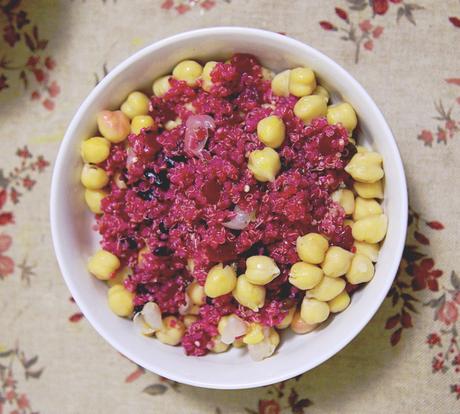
184 309
131 158
263 349
234 328
148 320
241 219
197 133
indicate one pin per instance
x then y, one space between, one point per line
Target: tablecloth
404 52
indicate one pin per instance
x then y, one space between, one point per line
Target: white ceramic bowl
75 241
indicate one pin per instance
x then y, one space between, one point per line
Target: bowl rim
58 238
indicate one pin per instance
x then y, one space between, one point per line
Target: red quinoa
175 203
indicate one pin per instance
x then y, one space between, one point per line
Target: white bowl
74 240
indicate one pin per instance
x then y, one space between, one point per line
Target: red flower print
433 339
35 95
424 275
455 21
376 33
10 395
437 364
396 1
6 218
208 4
426 137
269 407
380 6
50 63
447 313
28 183
341 13
365 26
54 89
48 104
167 4
5 242
455 389
456 360
33 61
182 8
6 263
457 298
368 45
10 35
39 75
327 25
23 401
41 163
441 135
23 152
435 225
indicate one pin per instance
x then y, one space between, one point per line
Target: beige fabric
405 72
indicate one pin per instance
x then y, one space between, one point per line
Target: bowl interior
75 240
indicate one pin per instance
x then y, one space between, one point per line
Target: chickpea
171 124
254 335
302 82
93 200
327 289
188 71
299 326
305 275
117 178
220 281
366 207
206 76
321 91
103 264
361 270
189 320
113 125
370 229
369 190
280 83
136 104
287 319
371 250
120 301
161 86
120 276
314 311
361 150
194 310
271 131
140 122
238 343
93 178
273 337
95 150
249 295
141 254
310 107
196 293
312 247
261 270
218 346
339 303
267 74
264 164
342 113
337 261
345 199
365 167
348 222
172 331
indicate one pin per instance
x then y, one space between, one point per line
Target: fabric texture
404 52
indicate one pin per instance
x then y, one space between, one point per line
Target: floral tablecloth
404 52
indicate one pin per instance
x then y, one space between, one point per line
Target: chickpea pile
322 271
